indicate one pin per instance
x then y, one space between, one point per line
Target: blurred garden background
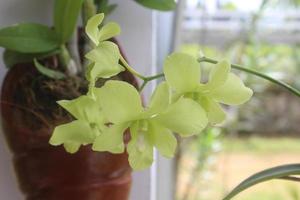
263 35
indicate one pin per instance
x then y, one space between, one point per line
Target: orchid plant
180 104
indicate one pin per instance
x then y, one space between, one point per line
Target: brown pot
49 173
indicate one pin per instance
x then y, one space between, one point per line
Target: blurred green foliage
203 148
260 145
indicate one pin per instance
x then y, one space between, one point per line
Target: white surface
137 41
165 167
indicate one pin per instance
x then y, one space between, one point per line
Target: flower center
141 145
191 95
141 138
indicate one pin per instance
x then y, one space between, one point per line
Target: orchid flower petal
83 108
163 139
72 134
215 112
185 117
92 27
219 74
233 92
120 101
109 30
139 149
182 72
112 139
160 99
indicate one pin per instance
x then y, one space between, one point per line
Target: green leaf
185 117
163 139
48 72
66 13
12 58
269 174
120 101
163 5
29 38
232 92
182 72
72 134
111 139
109 30
92 27
219 74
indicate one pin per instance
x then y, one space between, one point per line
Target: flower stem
150 78
143 86
88 10
256 73
212 61
65 60
131 70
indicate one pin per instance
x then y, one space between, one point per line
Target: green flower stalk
104 58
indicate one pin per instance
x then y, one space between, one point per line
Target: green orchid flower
182 73
104 58
88 125
149 127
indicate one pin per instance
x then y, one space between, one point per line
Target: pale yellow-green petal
109 30
185 117
138 159
83 108
175 96
111 139
88 74
92 27
215 112
140 150
106 52
182 72
104 61
73 133
233 92
163 139
104 70
120 101
72 147
160 99
219 74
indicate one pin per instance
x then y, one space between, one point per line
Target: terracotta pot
49 173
